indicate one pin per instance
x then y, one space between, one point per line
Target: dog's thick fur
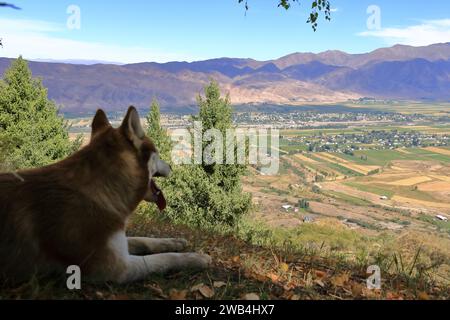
75 212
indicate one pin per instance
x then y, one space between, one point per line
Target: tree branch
10 5
316 7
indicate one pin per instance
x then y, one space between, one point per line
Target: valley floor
390 212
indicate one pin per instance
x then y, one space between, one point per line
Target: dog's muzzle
154 193
162 169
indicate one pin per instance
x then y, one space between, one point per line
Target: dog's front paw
198 260
179 244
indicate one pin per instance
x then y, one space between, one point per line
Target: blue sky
138 30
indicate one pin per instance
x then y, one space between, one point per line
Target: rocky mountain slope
399 72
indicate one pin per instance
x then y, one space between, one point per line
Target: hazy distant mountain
312 70
79 61
399 72
440 51
416 79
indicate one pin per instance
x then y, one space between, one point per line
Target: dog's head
133 138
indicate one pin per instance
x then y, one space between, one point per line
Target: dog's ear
100 122
132 128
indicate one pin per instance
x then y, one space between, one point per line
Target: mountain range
399 72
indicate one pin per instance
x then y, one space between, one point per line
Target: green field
441 225
389 191
347 198
405 107
374 157
384 157
310 132
429 155
371 157
288 146
345 171
371 189
380 158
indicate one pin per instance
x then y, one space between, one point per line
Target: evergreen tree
216 112
5 148
203 195
31 130
157 133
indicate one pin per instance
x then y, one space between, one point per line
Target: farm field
381 196
359 168
416 177
393 210
438 129
406 107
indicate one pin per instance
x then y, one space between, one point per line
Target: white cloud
334 9
426 33
35 39
24 25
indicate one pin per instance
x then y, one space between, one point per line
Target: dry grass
441 177
397 168
435 186
422 203
410 181
352 166
314 166
404 151
439 150
305 159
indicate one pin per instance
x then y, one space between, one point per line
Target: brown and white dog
75 212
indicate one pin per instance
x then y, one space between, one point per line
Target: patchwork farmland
416 178
390 197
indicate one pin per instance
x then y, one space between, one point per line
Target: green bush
198 199
303 204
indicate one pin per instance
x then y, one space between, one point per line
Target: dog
75 212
